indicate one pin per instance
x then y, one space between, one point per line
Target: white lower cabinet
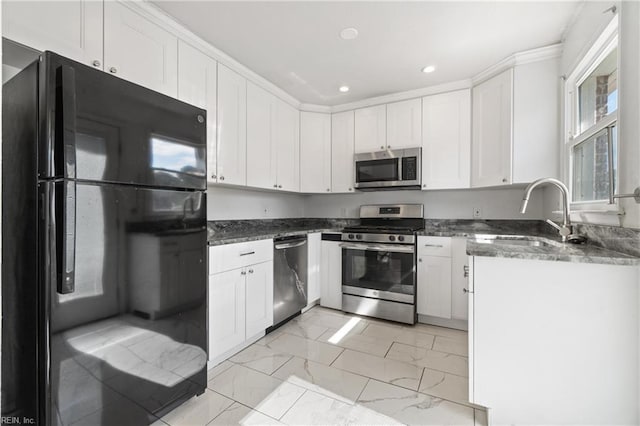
441 281
259 298
331 275
226 311
240 299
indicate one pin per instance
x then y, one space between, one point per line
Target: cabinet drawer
434 246
232 256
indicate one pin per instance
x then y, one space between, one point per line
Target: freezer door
128 339
97 127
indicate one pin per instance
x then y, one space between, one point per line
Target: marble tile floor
331 368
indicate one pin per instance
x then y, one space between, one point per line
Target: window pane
598 94
591 166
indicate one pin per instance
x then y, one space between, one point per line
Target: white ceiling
296 45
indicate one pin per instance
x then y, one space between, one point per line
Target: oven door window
379 270
378 170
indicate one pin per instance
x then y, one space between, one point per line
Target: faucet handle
564 230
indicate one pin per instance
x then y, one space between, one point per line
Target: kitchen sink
516 240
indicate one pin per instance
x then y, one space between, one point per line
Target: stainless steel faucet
566 230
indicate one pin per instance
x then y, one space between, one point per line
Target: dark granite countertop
236 231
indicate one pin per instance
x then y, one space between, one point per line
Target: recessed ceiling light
343 89
428 69
348 33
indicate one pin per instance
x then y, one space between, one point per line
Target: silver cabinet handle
213 176
505 180
247 253
251 271
221 177
434 245
381 146
350 189
467 291
465 270
328 190
243 272
420 260
388 146
279 186
96 63
275 185
113 70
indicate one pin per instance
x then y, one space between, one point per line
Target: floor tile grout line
294 403
362 390
421 377
291 357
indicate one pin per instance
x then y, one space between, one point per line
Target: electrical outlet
477 212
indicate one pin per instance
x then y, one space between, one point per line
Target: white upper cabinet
492 131
515 125
138 50
197 86
446 140
371 129
536 120
261 152
342 149
232 127
315 152
69 28
288 146
404 124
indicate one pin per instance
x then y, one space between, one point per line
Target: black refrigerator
103 248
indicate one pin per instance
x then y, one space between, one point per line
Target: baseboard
458 324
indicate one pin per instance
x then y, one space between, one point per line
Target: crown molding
403 96
519 58
315 108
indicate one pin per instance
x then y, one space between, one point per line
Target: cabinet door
434 286
331 275
404 124
371 129
232 127
342 146
138 50
259 306
446 140
261 152
70 28
314 264
288 146
492 131
315 152
459 279
226 311
197 86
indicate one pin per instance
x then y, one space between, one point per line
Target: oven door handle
393 248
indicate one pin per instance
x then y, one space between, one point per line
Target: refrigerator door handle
65 205
65 130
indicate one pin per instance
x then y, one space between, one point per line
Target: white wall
226 203
458 204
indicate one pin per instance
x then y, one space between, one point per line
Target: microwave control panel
409 168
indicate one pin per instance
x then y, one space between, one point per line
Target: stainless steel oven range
379 262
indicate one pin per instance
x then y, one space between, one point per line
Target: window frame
605 43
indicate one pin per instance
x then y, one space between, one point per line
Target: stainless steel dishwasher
289 277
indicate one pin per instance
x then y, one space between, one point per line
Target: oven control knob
392 238
400 238
351 236
358 237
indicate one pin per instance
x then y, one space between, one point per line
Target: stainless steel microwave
390 169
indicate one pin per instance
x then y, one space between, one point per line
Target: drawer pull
434 245
247 253
467 291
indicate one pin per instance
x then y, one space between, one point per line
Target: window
591 146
